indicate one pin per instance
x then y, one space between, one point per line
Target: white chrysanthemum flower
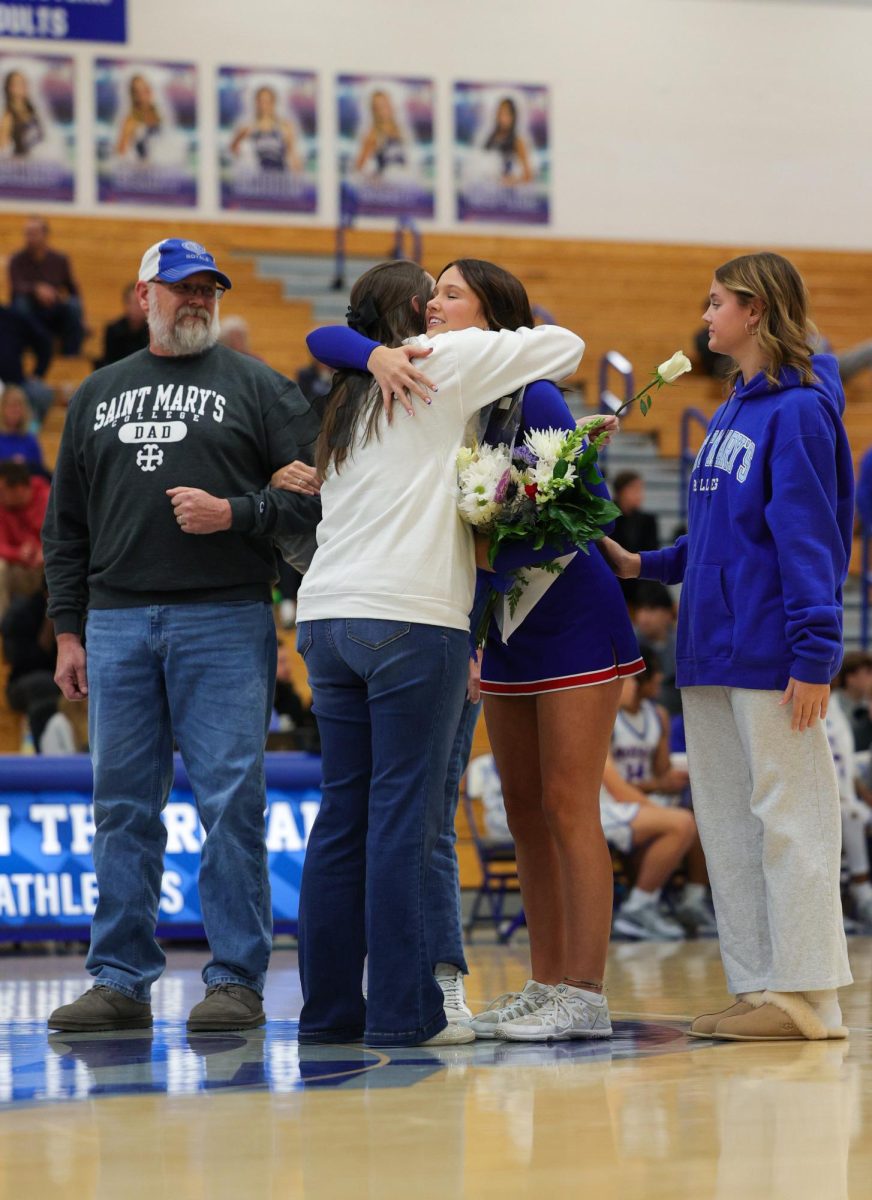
546 444
465 456
548 485
478 481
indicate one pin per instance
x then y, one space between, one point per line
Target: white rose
673 367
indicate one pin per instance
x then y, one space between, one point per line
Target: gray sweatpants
767 805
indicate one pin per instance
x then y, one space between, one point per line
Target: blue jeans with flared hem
387 695
204 674
444 918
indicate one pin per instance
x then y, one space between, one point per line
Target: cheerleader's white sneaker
490 1023
568 1013
450 979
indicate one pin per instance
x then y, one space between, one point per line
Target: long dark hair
503 298
388 303
504 139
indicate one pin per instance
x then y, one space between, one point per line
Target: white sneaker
454 1034
489 1024
648 924
450 979
695 917
566 1014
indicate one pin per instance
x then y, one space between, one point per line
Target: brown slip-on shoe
704 1026
227 1006
769 1023
778 1017
101 1010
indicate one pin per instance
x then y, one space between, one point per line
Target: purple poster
146 132
502 155
387 158
268 139
37 128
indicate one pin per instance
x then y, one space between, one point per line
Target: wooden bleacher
643 299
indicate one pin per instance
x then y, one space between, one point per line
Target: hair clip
364 316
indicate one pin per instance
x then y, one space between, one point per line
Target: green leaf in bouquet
560 469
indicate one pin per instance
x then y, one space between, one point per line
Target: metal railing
865 588
687 456
407 225
609 402
347 216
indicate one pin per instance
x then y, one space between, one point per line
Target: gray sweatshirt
220 421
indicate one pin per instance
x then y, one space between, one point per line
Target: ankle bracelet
587 984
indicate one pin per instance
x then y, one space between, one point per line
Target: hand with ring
297 477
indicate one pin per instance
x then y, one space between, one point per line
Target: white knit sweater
391 544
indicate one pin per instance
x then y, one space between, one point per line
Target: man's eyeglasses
205 291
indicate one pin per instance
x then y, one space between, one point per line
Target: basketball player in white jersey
640 787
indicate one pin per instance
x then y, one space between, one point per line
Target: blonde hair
10 392
785 332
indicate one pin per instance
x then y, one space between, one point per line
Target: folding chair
499 878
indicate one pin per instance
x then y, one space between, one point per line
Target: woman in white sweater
383 626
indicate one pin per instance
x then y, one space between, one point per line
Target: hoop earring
753 331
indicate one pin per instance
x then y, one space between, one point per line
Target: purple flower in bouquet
525 455
503 486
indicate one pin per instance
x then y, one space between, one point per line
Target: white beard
177 335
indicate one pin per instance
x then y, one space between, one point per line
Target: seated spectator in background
856 815
19 334
315 381
23 501
42 287
654 618
30 653
234 334
640 789
852 691
66 732
126 335
483 784
287 701
635 529
715 366
17 443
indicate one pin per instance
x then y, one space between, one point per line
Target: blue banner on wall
48 888
65 20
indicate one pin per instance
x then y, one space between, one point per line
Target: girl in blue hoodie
759 637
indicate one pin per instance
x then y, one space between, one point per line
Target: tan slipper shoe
704 1026
782 1017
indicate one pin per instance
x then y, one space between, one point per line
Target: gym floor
649 1114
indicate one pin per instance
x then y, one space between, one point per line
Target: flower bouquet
540 492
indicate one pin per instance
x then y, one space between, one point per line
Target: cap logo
194 248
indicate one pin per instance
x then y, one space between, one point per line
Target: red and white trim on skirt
562 683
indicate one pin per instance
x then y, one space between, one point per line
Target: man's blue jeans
444 920
387 695
204 674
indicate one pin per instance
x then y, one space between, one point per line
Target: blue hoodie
770 518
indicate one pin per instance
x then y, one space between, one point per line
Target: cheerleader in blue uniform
551 691
271 138
20 126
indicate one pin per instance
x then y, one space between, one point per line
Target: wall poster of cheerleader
502 155
37 128
268 139
146 132
387 157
